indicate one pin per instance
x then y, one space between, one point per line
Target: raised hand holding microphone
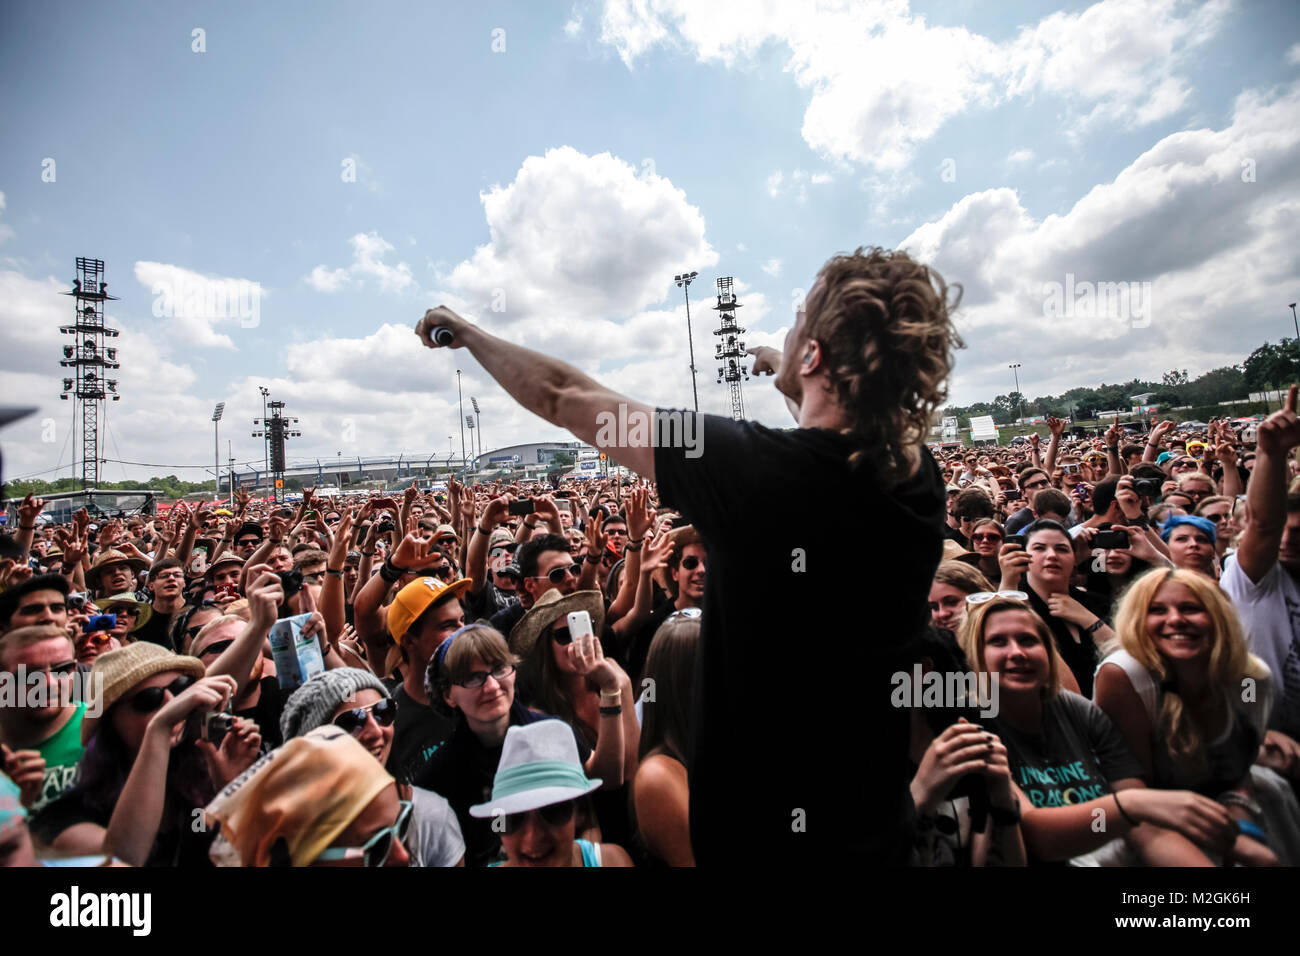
441 328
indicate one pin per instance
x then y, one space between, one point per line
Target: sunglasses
354 721
151 698
692 562
445 572
216 647
479 678
557 575
374 852
689 613
986 537
555 815
983 597
56 670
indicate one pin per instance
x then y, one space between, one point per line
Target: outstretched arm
551 389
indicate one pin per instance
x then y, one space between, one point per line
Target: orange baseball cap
416 598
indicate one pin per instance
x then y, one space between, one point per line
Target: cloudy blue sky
548 167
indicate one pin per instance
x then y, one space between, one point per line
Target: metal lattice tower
88 355
275 430
731 348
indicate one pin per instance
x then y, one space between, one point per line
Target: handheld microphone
442 335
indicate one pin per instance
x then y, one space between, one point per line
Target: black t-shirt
770 792
1081 655
417 735
505 619
462 771
638 643
266 713
176 845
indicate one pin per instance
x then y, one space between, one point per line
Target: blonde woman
1193 705
1069 764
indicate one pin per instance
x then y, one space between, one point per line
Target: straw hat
551 607
122 670
144 609
539 766
111 556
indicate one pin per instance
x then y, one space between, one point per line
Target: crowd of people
693 667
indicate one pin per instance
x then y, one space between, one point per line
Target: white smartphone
580 627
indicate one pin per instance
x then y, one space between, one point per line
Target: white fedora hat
539 766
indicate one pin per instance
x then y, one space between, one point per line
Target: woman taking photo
659 817
472 674
535 794
1075 617
1068 760
1173 687
575 681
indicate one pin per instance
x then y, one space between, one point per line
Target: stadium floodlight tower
275 430
91 359
731 347
216 446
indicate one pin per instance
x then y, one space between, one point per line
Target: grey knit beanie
314 703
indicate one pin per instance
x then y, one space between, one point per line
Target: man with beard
864 369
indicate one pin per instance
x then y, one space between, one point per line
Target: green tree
1273 366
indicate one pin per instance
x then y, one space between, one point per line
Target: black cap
40 582
249 527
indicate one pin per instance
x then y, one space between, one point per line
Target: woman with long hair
1075 617
1193 705
660 797
1069 763
986 537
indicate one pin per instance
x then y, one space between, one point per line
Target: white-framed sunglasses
983 597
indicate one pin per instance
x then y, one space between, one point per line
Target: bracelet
616 695
1122 812
480 530
591 558
27 527
332 573
1235 798
1244 827
390 572
633 547
611 711
367 554
1097 625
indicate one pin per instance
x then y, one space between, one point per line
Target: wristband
367 554
390 572
633 547
332 573
481 531
591 558
1122 812
1097 625
1244 827
614 711
613 695
1005 818
27 527
1235 798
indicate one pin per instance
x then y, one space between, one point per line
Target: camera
1148 487
1110 539
212 725
100 622
291 582
384 526
76 601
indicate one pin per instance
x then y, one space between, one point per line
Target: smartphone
523 506
1070 469
580 626
1111 539
1017 539
562 504
1013 494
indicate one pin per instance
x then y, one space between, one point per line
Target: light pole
1015 369
266 440
469 422
478 423
1296 321
216 449
684 282
462 427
